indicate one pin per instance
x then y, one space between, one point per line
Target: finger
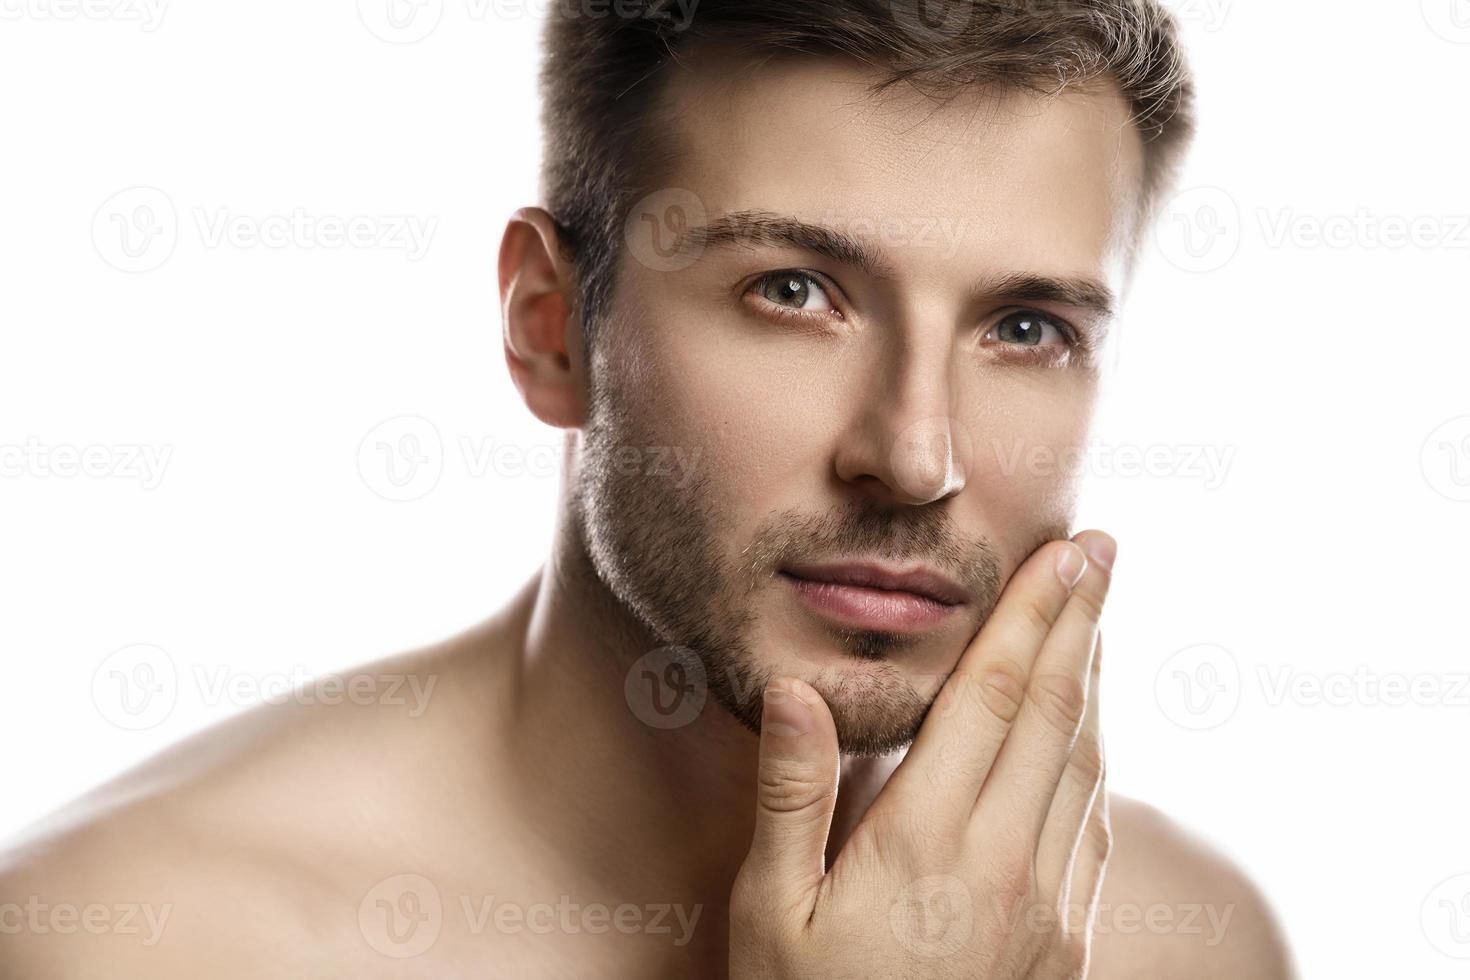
1029 767
1074 799
795 794
1090 866
964 729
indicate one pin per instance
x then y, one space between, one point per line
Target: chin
873 719
877 705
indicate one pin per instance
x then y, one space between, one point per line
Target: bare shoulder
257 836
1172 906
145 892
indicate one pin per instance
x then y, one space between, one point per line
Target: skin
533 773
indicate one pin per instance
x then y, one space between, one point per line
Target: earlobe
541 333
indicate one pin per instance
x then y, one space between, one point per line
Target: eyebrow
746 228
763 228
1079 291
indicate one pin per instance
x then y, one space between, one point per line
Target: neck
638 813
635 813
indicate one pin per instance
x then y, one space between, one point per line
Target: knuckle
788 789
1038 616
1012 878
1001 685
1062 699
1087 760
1100 836
1090 602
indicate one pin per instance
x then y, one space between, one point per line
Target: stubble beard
653 543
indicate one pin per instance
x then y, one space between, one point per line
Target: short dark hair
605 138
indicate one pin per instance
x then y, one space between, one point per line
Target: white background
1278 320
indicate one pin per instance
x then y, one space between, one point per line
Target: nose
907 443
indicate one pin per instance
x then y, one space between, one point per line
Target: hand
984 854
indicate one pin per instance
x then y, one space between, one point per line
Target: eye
793 292
1028 328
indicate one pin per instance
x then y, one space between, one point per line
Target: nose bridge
908 437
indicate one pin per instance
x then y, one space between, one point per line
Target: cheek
762 416
1026 469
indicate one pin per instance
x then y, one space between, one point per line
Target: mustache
869 528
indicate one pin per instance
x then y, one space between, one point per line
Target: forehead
1025 181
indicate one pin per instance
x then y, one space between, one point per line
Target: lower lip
861 607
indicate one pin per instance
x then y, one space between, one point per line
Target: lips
923 582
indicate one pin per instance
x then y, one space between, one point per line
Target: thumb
795 795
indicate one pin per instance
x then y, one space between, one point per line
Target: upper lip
920 580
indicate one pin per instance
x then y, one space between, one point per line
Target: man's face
879 344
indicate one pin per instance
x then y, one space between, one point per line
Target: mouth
864 595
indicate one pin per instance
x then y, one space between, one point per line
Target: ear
543 338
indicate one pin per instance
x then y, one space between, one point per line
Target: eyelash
785 313
1075 341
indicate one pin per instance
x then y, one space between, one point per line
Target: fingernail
1101 548
785 713
1070 565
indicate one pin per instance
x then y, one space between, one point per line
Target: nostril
924 460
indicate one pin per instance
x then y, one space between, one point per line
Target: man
807 276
